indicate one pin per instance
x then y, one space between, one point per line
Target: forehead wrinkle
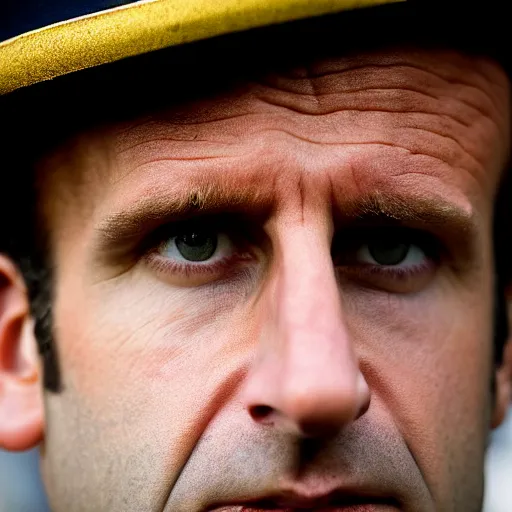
206 142
369 75
154 142
435 143
403 84
412 150
403 99
186 116
441 66
185 130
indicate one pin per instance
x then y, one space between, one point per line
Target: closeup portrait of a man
254 254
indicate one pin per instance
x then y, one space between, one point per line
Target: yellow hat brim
142 27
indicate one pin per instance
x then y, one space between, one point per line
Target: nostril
260 412
364 408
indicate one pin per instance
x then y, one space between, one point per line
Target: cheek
428 360
153 364
133 329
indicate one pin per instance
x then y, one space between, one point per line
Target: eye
391 253
394 260
202 251
197 245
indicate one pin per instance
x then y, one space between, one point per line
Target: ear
503 398
21 402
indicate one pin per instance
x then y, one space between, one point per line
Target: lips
348 508
352 503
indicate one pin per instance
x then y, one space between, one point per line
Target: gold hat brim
143 27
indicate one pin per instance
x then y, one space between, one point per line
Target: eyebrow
257 202
199 200
410 210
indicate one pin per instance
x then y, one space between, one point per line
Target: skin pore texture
289 366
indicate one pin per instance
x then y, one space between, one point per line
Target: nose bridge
317 352
306 376
307 299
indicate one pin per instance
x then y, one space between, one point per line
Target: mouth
370 507
323 504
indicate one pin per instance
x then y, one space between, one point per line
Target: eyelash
227 267
430 245
164 265
399 274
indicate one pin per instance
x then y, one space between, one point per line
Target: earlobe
21 404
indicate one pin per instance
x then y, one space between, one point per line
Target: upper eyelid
217 223
433 248
441 241
365 234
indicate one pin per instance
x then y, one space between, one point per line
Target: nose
305 378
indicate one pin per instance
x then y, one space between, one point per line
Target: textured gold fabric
142 27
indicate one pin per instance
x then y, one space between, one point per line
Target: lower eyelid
174 271
369 271
388 280
162 262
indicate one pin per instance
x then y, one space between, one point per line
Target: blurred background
21 489
499 470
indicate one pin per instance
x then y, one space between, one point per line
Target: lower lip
349 508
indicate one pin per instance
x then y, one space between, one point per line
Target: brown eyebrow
208 199
454 226
413 210
256 203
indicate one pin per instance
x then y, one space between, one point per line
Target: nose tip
321 412
310 410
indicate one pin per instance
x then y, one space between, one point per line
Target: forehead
372 109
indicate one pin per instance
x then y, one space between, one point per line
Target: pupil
196 245
389 253
194 239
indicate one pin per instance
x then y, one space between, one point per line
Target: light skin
290 365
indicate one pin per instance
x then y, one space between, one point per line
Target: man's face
281 295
